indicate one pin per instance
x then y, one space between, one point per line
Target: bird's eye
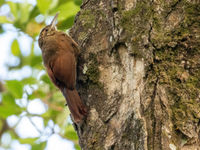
46 29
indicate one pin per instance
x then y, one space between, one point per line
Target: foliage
28 19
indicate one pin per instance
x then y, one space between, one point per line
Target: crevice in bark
114 5
150 40
173 7
85 3
116 47
157 124
154 140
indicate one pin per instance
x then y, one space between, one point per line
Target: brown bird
59 52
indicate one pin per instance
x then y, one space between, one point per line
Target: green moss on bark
136 28
183 83
177 65
93 70
87 18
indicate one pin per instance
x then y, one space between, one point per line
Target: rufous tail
75 104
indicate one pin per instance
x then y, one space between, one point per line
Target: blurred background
32 111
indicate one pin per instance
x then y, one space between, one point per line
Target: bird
60 53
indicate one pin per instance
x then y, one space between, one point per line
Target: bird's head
48 30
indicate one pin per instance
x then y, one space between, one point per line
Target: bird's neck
42 37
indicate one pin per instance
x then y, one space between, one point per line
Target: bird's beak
53 22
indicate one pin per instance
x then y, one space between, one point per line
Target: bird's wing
51 75
64 70
68 42
75 47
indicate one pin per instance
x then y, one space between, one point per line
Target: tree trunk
139 74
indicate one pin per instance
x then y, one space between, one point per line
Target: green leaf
1 29
6 111
36 60
66 24
39 146
70 133
61 2
3 19
77 147
37 94
9 107
34 12
1 2
61 117
32 96
50 114
27 140
66 10
78 2
15 48
15 87
8 98
14 9
58 97
46 79
29 80
43 5
24 10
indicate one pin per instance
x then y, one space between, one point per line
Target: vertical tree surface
139 74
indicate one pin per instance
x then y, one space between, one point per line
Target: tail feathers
75 104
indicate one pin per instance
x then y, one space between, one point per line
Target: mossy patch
93 72
135 23
87 19
131 20
136 49
177 67
82 36
183 84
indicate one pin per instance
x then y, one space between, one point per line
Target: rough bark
139 74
